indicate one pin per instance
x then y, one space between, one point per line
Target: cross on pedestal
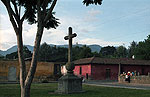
70 66
69 83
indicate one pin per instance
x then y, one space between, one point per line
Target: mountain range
94 48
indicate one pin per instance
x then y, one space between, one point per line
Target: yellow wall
44 69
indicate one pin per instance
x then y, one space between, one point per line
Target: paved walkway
119 85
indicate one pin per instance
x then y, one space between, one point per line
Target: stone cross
70 65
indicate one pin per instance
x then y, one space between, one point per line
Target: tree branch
13 13
50 11
38 12
16 9
45 3
10 13
19 10
23 17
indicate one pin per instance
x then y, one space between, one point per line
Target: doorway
108 73
12 73
87 76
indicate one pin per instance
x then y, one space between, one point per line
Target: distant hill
94 48
2 53
14 49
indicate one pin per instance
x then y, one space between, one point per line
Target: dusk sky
114 23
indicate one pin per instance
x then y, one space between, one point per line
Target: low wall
44 71
142 79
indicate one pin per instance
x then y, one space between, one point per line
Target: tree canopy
60 54
142 49
108 51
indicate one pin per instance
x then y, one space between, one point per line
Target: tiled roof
126 61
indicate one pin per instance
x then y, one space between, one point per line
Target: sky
114 23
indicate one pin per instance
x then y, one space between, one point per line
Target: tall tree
44 52
143 49
121 52
107 51
45 19
85 52
52 53
132 49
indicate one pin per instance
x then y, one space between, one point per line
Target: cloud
91 15
7 37
5 22
54 36
93 12
7 34
4 46
100 42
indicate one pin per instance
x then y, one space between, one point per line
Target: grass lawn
44 90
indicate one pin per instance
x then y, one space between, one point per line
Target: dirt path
119 85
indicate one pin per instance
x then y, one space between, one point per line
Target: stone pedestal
69 83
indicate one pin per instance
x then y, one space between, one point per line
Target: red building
108 69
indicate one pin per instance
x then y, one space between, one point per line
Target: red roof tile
126 61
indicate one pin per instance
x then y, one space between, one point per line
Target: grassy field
45 90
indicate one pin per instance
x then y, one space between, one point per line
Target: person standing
128 77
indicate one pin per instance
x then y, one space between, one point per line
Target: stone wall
142 79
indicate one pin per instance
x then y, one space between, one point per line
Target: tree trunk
21 61
25 82
33 65
25 91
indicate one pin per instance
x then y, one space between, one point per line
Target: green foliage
13 55
27 54
121 52
60 54
81 52
85 52
88 2
143 49
107 52
132 49
1 56
140 50
52 53
52 22
30 12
